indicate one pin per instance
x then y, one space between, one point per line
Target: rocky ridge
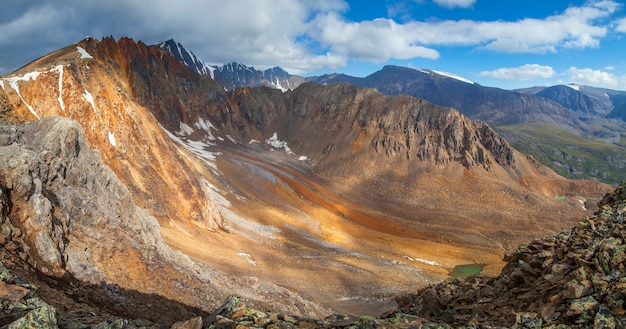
95 84
573 279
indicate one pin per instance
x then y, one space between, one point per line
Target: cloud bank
299 35
524 72
581 76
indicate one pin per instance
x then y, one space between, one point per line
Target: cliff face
400 128
64 210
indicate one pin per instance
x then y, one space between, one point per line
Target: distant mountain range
234 75
595 117
552 105
588 101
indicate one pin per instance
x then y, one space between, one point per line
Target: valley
345 246
296 231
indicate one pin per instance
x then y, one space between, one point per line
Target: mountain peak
392 68
185 56
233 75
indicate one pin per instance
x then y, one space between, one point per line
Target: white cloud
577 27
376 40
298 35
620 25
599 78
455 3
260 33
524 72
36 22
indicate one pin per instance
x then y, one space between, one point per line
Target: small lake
463 271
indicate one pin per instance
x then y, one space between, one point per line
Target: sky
499 43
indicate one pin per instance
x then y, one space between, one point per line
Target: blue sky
507 44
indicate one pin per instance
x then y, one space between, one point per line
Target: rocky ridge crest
574 279
234 75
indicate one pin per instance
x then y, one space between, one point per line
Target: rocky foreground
574 279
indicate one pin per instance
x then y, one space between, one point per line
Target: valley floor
285 225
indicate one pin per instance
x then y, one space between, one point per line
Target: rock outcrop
58 199
573 279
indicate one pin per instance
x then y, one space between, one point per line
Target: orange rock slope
89 82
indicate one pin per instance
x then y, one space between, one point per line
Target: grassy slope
570 155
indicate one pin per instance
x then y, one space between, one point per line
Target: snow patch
206 126
303 158
573 86
217 196
279 86
2 84
423 261
26 77
583 203
89 98
253 141
197 148
211 70
13 84
274 142
248 258
454 76
230 138
184 129
83 53
31 75
112 139
59 68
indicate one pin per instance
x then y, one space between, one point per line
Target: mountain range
589 122
161 180
234 75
